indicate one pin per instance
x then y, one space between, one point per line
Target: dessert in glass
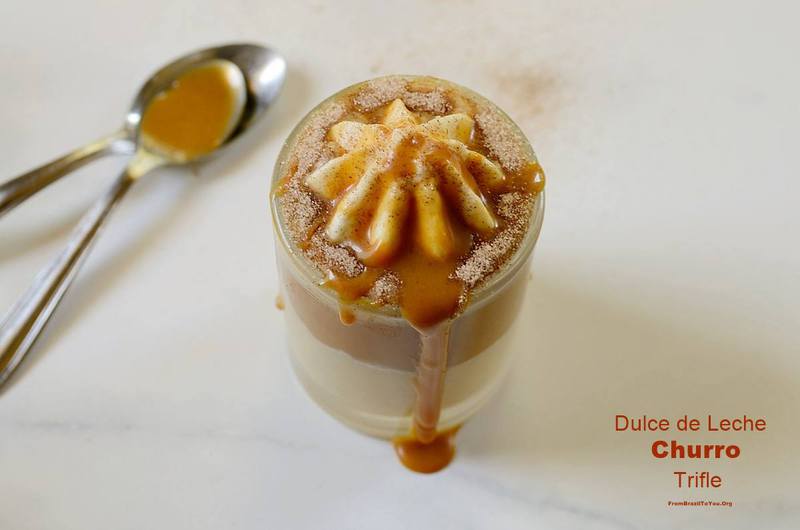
406 210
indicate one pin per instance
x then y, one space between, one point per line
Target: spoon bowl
264 73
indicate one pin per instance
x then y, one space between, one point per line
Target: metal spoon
262 72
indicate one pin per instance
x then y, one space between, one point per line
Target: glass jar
363 372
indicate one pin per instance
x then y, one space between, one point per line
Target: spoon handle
23 324
20 188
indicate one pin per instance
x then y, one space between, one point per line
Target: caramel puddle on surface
427 457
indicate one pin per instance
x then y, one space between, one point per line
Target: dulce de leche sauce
197 113
410 196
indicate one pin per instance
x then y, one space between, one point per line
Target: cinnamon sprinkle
311 143
333 258
379 92
301 210
385 290
434 101
486 258
504 141
304 214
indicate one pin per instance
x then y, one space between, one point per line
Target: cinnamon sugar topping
311 144
335 259
434 101
385 290
487 257
379 92
502 139
301 211
474 256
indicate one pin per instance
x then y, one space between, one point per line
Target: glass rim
478 296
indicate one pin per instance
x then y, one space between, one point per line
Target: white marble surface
666 278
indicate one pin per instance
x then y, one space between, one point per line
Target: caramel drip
427 457
193 116
279 303
529 178
346 315
428 295
431 369
351 289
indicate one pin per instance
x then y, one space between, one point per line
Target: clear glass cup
363 373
